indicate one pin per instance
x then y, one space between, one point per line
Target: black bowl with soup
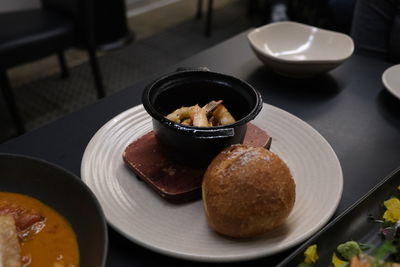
36 188
192 145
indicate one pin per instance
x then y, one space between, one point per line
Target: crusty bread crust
247 191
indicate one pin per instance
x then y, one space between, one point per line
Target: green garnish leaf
383 251
365 246
349 249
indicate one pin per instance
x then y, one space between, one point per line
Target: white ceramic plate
181 231
391 80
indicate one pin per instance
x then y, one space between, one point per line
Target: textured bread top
247 191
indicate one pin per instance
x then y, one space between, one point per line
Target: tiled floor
143 25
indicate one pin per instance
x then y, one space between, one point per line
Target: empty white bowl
298 50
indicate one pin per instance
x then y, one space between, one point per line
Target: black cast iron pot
197 146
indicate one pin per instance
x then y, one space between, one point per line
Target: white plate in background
391 80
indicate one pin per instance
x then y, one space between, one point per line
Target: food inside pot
212 114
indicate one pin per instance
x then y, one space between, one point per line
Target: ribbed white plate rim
96 169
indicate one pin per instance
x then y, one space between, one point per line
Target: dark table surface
348 106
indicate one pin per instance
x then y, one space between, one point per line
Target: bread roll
247 191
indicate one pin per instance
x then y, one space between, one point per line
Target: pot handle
211 134
192 69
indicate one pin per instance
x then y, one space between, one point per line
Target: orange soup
46 238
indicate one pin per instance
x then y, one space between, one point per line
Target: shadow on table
389 107
313 89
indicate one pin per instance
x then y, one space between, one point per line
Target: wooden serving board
173 181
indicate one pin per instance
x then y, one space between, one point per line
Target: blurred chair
334 15
209 13
33 34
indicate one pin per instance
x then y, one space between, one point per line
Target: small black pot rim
193 129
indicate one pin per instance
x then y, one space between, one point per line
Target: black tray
353 224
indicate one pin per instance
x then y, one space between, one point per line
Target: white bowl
298 50
391 80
